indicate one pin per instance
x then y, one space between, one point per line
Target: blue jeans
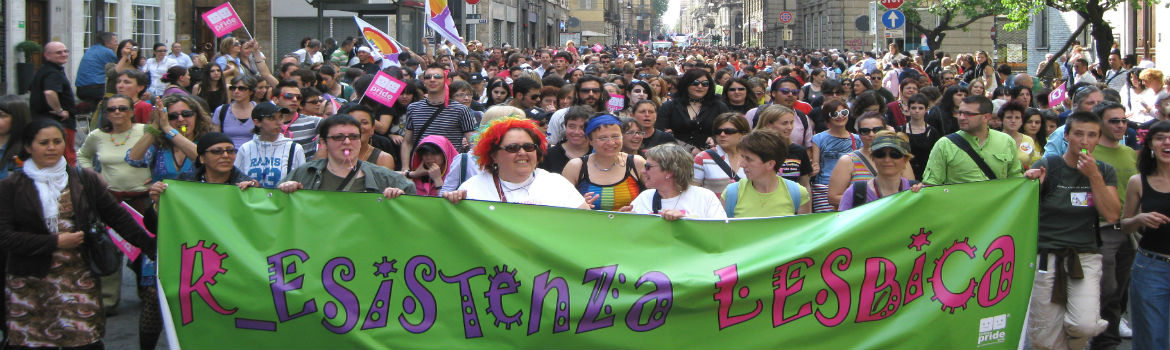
1149 297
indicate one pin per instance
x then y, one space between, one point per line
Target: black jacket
673 116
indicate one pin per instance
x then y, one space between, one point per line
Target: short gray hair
674 159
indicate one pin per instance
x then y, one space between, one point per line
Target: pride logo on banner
384 89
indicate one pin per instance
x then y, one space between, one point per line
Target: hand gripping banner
949 267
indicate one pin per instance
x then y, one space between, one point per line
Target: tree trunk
1103 35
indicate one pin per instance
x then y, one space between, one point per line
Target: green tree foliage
1020 12
951 14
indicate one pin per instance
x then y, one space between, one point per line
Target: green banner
263 269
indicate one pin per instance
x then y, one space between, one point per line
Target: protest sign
223 20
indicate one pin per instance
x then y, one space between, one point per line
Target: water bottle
149 269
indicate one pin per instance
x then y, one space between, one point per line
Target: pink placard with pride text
223 19
615 103
130 250
384 89
1056 96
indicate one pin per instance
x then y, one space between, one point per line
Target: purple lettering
596 306
422 298
278 273
541 286
380 308
344 296
661 298
471 327
725 295
501 283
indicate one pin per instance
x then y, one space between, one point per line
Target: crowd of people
684 133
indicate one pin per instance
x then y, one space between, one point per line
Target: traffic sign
892 4
893 19
785 17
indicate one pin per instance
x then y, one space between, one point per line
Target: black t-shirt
556 159
51 77
796 164
370 68
659 137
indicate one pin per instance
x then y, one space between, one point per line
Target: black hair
919 99
1080 117
1012 107
948 98
307 93
1146 163
684 97
751 100
429 148
122 44
174 74
600 85
1105 106
524 85
17 107
336 120
348 108
30 133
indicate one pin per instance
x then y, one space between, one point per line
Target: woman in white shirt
669 191
509 151
157 67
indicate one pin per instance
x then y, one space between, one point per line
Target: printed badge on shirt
1082 199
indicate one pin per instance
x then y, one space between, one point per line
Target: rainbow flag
439 19
382 44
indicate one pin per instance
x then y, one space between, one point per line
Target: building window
587 4
1042 29
111 19
147 25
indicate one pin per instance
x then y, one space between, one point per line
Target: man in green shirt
949 164
1076 189
1117 253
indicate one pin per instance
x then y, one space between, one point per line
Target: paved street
122 329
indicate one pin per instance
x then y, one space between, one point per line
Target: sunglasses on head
117 109
242 88
291 96
221 151
185 114
704 83
887 152
516 147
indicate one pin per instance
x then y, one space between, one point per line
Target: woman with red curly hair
509 151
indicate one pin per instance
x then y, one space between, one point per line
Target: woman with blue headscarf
608 178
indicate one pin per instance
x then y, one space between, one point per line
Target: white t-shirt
696 202
543 188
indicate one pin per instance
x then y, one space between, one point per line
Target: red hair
490 139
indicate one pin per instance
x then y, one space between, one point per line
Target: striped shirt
303 130
451 122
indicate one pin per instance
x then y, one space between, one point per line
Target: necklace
116 144
611 166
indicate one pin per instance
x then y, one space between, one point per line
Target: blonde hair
500 111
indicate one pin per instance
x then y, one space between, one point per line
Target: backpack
733 196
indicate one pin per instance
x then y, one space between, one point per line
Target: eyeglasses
343 137
462 95
738 89
516 147
117 109
185 114
967 113
703 83
291 96
608 139
787 91
313 102
1116 121
729 131
887 153
589 91
648 166
636 133
241 88
432 76
222 151
844 113
873 130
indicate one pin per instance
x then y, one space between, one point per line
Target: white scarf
50 182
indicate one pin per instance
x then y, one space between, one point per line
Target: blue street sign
893 19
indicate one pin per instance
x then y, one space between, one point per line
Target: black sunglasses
590 91
342 137
117 109
885 152
234 88
729 131
873 130
433 76
704 83
515 147
221 151
291 96
185 114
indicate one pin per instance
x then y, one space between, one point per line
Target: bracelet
171 134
